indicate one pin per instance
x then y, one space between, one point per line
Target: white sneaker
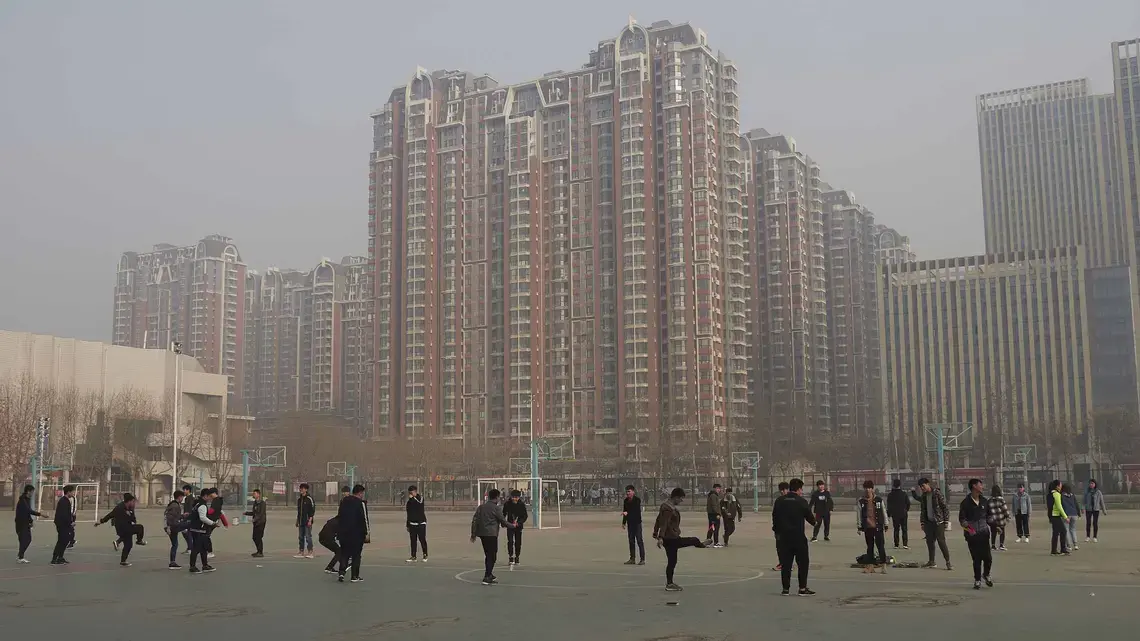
22 561
1076 547
1086 539
308 555
424 559
717 546
211 555
1027 539
1019 539
411 560
1094 540
298 556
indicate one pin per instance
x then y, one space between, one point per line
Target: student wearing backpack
172 519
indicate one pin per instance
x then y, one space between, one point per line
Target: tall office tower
853 314
1051 171
793 394
1126 77
194 295
277 321
563 256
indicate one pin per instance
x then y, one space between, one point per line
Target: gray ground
571 586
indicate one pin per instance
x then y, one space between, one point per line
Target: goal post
543 491
86 501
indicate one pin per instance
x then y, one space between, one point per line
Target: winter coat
1094 500
1021 503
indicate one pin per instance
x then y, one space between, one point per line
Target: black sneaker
826 539
56 562
813 540
977 585
115 545
124 564
64 562
174 566
143 543
641 562
355 579
806 591
340 578
630 562
257 555
71 545
989 581
673 587
785 592
194 570
208 568
930 565
330 570
489 580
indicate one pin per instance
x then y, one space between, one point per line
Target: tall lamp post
176 347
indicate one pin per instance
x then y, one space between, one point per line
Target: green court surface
572 585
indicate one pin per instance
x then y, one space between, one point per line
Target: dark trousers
128 538
173 547
983 559
330 545
490 554
134 530
1092 523
259 537
636 540
350 550
876 538
201 548
1022 521
671 546
514 543
936 533
729 528
997 536
1060 534
63 536
418 534
793 550
824 521
900 526
714 528
24 535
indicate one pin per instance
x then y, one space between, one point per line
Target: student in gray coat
485 525
1094 506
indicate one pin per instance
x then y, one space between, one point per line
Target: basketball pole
941 458
534 482
755 488
244 484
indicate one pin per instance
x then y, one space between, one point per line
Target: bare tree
1118 435
23 400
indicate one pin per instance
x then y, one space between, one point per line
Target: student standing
974 516
485 524
306 510
202 526
715 514
24 518
516 515
1000 514
189 497
1094 506
122 517
730 508
1058 520
1022 508
352 530
898 508
258 512
1073 512
416 522
821 505
171 519
872 519
64 524
783 489
933 519
667 533
632 524
789 514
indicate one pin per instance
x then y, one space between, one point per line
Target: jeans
24 534
259 537
490 554
418 533
636 540
1059 535
671 546
793 550
900 527
351 549
173 547
1092 523
63 535
876 539
1072 532
714 528
983 559
514 543
997 536
304 538
936 533
189 538
824 521
1022 521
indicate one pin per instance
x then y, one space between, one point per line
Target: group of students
63 519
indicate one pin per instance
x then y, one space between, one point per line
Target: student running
632 524
515 512
128 530
416 522
975 516
485 524
667 533
353 532
789 513
24 518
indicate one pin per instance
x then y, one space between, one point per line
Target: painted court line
462 578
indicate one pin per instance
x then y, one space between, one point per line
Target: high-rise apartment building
792 390
194 295
892 247
1051 171
563 256
1126 78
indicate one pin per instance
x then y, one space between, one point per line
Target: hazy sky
125 124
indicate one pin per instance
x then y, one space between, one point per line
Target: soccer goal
86 501
540 495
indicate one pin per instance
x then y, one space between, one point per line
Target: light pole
176 347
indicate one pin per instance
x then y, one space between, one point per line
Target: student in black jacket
352 530
416 522
327 539
631 521
257 512
789 513
872 514
515 513
898 506
123 518
24 518
306 510
974 516
821 505
64 524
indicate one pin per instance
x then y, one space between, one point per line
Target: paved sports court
572 586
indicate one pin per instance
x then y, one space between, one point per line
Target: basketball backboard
520 466
556 448
954 436
746 460
1021 453
268 456
336 469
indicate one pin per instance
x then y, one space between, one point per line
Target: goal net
541 497
86 501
